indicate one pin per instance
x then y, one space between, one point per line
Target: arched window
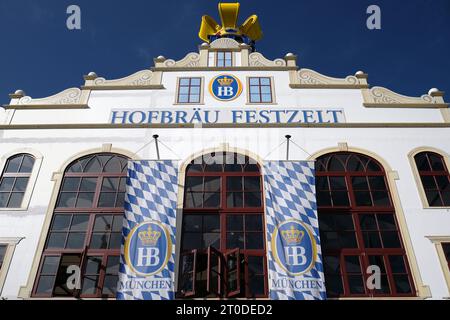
222 244
14 180
435 178
86 229
358 228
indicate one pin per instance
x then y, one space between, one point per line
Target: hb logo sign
148 248
225 87
294 247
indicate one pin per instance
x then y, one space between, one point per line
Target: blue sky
38 54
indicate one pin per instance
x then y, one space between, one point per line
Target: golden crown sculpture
250 30
149 237
292 236
225 82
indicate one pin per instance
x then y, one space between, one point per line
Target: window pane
75 240
115 240
354 164
334 285
256 265
193 200
6 184
4 199
253 222
50 265
15 200
381 198
211 239
348 240
120 199
252 183
112 266
211 223
107 200
85 200
434 200
356 284
13 164
363 198
99 241
360 183
71 184
253 199
103 223
56 240
255 98
195 81
88 184
266 90
62 275
212 184
390 239
211 200
340 198
192 241
93 265
21 184
422 162
89 285
377 183
397 264
254 240
323 198
184 81
79 222
384 286
402 284
110 184
331 264
234 183
257 285
235 240
343 221
368 222
442 181
322 183
352 264
194 183
436 162
266 98
45 285
377 261
428 182
110 285
338 183
371 240
235 223
117 224
234 199
192 223
386 222
254 81
183 98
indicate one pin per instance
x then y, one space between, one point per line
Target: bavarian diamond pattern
290 194
151 194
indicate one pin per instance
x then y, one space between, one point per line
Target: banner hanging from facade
293 242
147 260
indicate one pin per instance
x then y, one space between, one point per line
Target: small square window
189 90
260 90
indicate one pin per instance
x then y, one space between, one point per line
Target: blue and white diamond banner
147 259
293 242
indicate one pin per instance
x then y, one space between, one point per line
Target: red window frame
368 167
93 212
224 211
435 178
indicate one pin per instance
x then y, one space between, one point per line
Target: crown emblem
292 236
225 82
249 32
149 237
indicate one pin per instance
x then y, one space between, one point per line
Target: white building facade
45 212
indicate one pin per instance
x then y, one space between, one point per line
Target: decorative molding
224 43
307 78
383 97
72 98
144 79
256 59
191 60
